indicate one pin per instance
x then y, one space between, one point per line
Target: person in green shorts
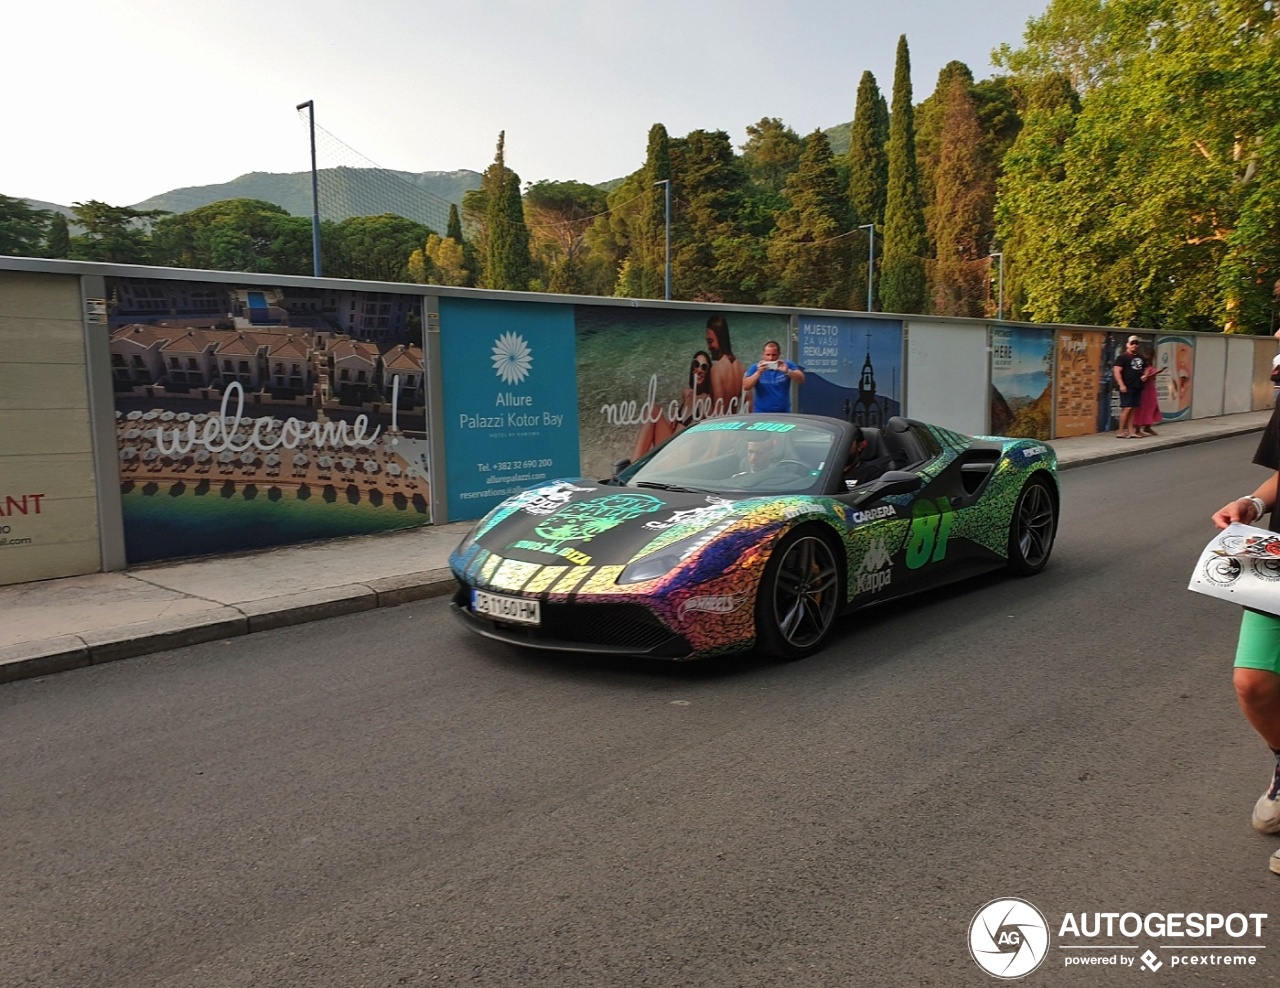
1257 668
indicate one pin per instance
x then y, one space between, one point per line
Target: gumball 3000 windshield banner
510 399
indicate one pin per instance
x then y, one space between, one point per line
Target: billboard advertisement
1175 359
1021 382
1079 369
510 399
853 368
645 374
255 417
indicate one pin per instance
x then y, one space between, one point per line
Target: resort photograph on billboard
253 417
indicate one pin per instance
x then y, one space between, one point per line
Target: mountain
344 192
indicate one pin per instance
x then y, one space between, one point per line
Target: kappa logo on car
884 511
872 576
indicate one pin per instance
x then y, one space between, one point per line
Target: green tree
809 258
507 264
1165 205
374 248
902 282
58 240
558 216
118 234
961 218
22 229
708 254
772 153
234 235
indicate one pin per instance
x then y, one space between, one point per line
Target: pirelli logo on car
884 511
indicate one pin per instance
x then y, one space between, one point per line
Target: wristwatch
1259 507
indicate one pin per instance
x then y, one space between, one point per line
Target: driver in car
762 453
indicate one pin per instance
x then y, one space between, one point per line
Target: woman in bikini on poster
695 405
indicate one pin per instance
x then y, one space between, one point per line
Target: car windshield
743 455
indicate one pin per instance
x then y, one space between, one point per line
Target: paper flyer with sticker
1241 564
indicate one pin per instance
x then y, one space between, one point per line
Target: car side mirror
618 467
892 482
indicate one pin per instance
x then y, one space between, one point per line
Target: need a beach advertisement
646 374
253 417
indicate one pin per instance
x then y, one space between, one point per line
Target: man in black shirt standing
1127 370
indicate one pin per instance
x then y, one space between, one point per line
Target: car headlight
662 562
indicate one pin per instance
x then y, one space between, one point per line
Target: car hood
585 522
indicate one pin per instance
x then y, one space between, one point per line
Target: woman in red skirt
1147 413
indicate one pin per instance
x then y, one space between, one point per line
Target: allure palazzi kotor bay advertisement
254 417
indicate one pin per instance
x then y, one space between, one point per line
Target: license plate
516 610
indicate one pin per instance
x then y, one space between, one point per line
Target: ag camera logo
1008 938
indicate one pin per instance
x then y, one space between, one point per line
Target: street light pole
871 262
310 106
999 284
666 183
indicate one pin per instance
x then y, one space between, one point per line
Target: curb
1173 442
28 660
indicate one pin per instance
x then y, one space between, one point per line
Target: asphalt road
381 799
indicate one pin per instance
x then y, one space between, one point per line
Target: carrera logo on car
872 576
715 603
884 511
1031 452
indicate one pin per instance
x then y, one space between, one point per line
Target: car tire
1032 528
800 595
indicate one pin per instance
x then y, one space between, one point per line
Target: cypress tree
652 269
868 173
454 228
902 283
961 217
507 260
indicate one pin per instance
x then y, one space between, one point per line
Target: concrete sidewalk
56 625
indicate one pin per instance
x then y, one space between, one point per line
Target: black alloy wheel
799 597
1032 528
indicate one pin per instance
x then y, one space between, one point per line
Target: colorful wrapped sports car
753 531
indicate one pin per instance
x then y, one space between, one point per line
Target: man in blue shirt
769 380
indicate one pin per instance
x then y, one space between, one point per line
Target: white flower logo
511 358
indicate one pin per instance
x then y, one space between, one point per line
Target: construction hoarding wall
251 416
1238 377
853 368
48 504
948 374
1262 391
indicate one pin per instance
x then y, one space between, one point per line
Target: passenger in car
867 460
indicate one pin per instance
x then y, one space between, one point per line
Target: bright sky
120 100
